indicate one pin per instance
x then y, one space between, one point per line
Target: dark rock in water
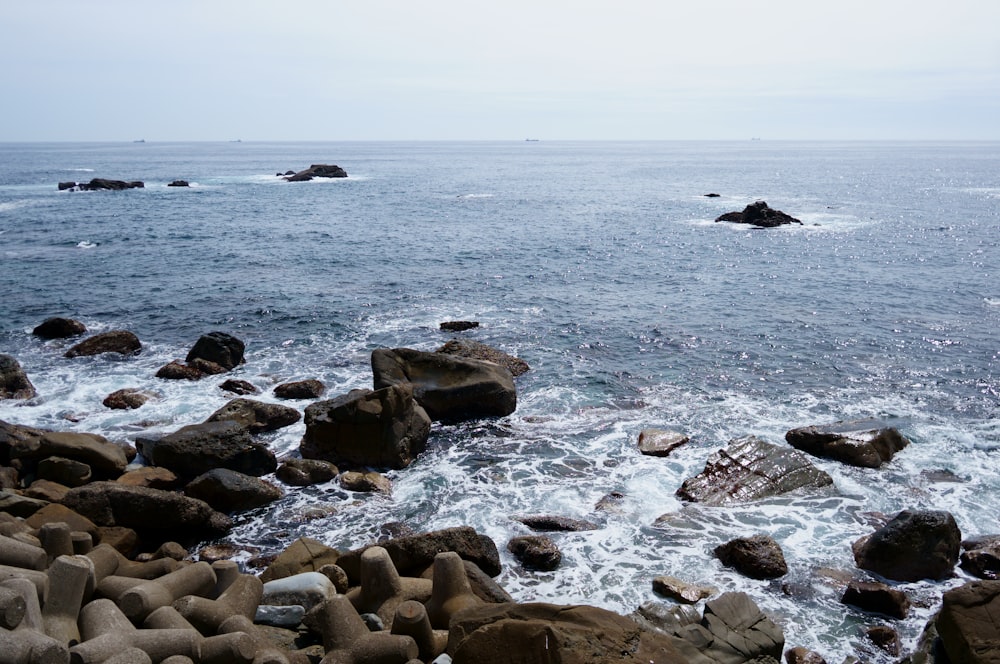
914 545
459 325
317 171
106 459
59 328
384 428
535 552
63 186
969 622
238 387
177 370
207 367
479 351
535 632
449 388
877 598
885 638
758 557
14 383
306 472
218 347
760 215
98 184
229 491
549 523
199 448
301 389
367 482
751 469
800 655
659 443
414 553
121 342
867 443
288 172
126 399
256 416
981 557
179 183
712 195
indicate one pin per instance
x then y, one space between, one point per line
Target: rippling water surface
600 265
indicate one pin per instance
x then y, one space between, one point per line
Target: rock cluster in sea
94 564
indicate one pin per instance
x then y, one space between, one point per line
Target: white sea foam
86 244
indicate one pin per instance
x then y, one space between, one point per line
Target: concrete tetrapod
17 553
56 539
241 598
451 591
38 579
347 640
140 601
411 620
382 589
108 560
68 578
12 607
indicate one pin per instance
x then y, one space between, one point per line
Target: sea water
599 263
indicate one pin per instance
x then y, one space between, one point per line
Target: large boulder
751 469
59 328
199 448
318 171
229 491
449 388
758 557
501 633
867 443
14 383
474 350
969 623
981 556
121 342
218 347
106 459
536 552
914 545
759 214
385 428
256 416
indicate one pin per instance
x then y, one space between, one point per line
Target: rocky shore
103 556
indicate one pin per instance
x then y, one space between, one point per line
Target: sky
217 70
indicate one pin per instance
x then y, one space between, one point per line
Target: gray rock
681 591
229 491
969 623
549 523
289 617
199 448
256 416
914 545
865 443
306 589
660 443
143 508
300 389
105 459
732 630
535 552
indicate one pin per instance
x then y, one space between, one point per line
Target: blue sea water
601 266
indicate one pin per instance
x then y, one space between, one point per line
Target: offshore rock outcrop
759 214
317 171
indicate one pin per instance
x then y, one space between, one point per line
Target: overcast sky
462 69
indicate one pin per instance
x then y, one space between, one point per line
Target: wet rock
306 472
866 443
14 383
914 545
885 638
458 325
104 184
751 469
800 655
969 623
877 598
681 591
177 370
229 491
238 387
59 328
302 555
732 629
384 428
198 448
550 523
126 399
981 557
120 342
179 183
301 389
759 214
317 171
474 350
535 552
106 459
758 557
218 347
367 482
256 416
660 443
449 388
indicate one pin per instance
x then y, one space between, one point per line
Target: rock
121 342
759 214
681 591
153 477
47 490
14 383
289 617
981 557
368 482
751 469
535 632
302 389
198 448
474 350
17 505
306 472
733 629
63 186
306 589
885 638
712 195
63 514
179 183
758 557
126 399
238 387
877 598
302 555
866 443
555 523
59 328
458 325
98 184
106 459
414 553
145 509
177 370
9 478
659 443
317 171
914 545
229 491
381 429
64 471
800 655
256 416
969 623
535 552
449 388
218 347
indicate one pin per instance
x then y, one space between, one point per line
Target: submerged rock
458 325
98 184
760 215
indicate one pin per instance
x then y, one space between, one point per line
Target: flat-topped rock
868 443
317 171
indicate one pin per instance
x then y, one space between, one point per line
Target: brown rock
126 399
535 552
124 540
229 491
121 342
47 490
177 370
198 448
478 351
549 523
64 471
886 638
218 347
302 389
256 416
54 513
914 545
877 598
14 383
969 623
758 557
302 555
367 482
238 387
306 472
106 459
681 591
458 325
800 655
153 477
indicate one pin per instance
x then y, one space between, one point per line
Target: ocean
598 263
